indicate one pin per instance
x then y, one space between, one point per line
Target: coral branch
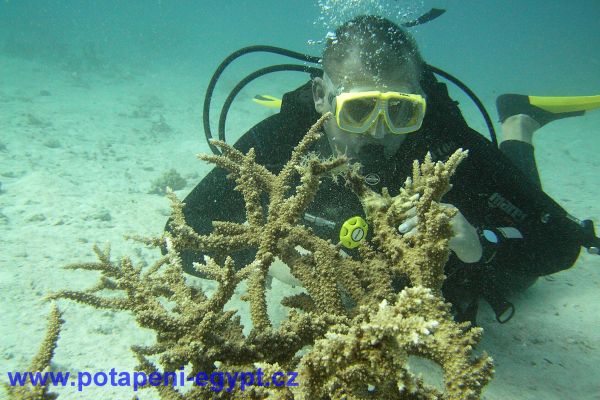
40 363
349 334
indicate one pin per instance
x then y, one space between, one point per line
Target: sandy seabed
78 154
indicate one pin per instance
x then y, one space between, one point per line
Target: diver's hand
465 241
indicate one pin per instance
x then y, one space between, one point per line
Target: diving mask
356 112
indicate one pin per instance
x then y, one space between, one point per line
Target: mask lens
356 112
403 113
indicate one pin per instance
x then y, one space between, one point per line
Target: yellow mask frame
356 112
402 112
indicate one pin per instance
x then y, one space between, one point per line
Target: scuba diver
389 109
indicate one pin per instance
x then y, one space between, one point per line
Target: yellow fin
267 101
565 104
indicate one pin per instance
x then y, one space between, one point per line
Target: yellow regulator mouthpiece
353 232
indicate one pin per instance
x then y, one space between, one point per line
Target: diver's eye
401 112
359 110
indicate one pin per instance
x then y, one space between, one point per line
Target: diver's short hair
382 47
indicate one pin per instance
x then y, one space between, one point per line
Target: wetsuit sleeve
522 228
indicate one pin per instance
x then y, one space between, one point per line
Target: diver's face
377 140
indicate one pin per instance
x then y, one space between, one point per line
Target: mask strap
331 89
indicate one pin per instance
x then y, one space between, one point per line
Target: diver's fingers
411 200
410 233
449 206
411 212
408 225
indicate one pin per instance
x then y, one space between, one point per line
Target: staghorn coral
40 363
340 351
374 349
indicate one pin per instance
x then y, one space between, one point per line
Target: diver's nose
378 129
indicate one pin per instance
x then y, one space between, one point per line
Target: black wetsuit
498 191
